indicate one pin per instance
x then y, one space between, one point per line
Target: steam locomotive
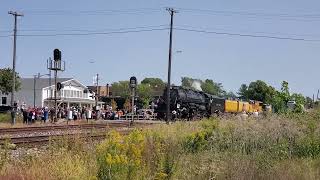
189 104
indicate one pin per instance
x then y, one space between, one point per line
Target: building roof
27 83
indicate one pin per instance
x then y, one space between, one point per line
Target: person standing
25 116
45 114
52 113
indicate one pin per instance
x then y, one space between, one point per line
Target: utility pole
96 96
171 11
15 14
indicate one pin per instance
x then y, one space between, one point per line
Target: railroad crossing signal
133 82
57 55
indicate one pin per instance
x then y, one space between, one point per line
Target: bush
283 146
120 157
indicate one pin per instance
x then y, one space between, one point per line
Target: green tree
281 98
298 98
309 102
260 91
243 92
154 82
127 105
121 88
6 81
285 91
210 87
145 93
230 95
114 105
278 103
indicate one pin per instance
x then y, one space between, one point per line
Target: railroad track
28 140
47 138
39 134
32 129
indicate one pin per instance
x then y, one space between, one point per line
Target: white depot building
39 93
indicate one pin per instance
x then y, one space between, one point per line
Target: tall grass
272 147
5 117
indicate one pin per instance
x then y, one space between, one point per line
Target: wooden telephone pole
171 11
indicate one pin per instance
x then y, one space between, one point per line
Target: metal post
50 86
96 96
171 11
34 91
55 65
132 103
107 90
55 94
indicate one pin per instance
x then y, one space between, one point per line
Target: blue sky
231 60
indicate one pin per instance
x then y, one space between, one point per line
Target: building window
62 93
4 100
78 94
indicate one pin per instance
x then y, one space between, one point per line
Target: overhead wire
140 11
92 33
248 31
166 28
86 30
253 14
247 35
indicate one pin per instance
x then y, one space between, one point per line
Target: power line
166 28
86 30
86 34
247 35
246 31
253 14
145 10
140 11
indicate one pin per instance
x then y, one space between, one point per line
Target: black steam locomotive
188 104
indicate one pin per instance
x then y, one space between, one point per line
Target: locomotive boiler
189 104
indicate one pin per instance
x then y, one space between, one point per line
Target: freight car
188 103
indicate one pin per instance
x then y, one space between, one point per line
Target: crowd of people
46 114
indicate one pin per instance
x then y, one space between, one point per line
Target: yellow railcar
231 106
257 106
246 107
240 106
236 106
